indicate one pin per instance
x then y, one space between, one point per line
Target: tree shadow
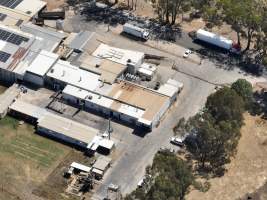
259 105
225 60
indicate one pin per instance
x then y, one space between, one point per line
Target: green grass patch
20 142
9 122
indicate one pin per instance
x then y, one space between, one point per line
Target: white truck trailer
136 31
217 40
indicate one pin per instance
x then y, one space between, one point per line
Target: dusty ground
144 8
2 89
248 170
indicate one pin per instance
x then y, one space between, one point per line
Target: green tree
244 89
171 179
246 17
169 9
226 105
216 131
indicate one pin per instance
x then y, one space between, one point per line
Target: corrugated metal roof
102 163
42 63
80 40
28 109
73 75
67 127
42 32
8 97
118 55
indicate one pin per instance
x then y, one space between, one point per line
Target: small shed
145 73
80 167
101 166
105 146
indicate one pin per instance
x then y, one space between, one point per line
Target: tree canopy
214 132
171 179
226 105
244 89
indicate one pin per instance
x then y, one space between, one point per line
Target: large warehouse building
96 81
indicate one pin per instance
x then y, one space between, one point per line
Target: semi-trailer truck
217 40
136 31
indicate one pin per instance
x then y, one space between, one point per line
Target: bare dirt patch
248 170
54 4
2 89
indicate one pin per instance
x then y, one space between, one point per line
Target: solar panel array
4 56
10 3
12 37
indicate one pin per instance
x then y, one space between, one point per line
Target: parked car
187 53
145 180
177 141
113 187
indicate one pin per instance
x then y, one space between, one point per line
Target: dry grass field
26 159
248 170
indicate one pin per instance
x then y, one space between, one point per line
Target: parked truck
217 40
136 31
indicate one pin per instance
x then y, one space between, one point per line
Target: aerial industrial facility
98 81
76 70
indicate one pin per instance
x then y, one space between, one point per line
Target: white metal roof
121 56
80 40
149 66
67 127
102 163
108 144
88 96
145 121
103 101
146 72
168 90
28 109
8 97
30 7
131 111
80 167
74 76
42 63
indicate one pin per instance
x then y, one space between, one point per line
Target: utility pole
110 129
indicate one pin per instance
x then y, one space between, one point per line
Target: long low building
7 98
26 111
66 130
125 101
